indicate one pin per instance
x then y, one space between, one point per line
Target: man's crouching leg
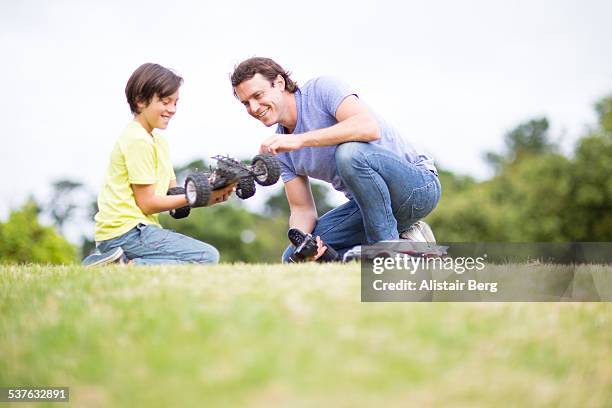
392 193
361 166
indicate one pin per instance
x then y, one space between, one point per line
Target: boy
138 178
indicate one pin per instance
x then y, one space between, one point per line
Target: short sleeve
286 167
140 161
330 92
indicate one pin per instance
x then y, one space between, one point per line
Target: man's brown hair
149 80
267 67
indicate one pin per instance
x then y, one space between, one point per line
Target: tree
62 205
277 204
239 235
467 212
24 240
527 139
604 113
589 207
181 172
537 194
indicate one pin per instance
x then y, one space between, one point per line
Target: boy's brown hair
149 80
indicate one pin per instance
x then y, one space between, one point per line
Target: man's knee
348 154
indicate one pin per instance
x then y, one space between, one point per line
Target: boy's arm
149 203
303 211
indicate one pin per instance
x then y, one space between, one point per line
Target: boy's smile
157 114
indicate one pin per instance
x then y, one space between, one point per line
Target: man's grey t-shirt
317 102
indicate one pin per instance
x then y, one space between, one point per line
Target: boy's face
262 101
158 112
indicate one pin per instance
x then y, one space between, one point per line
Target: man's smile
262 114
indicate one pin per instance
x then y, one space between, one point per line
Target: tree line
536 194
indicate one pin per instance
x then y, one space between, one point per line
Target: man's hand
221 195
320 249
281 143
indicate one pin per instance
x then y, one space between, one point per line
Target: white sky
453 76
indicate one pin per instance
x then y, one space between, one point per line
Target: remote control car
263 170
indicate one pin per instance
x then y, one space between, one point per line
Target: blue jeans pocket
420 203
424 201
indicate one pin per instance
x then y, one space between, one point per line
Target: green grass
295 336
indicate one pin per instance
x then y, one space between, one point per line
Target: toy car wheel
182 212
197 189
245 188
266 168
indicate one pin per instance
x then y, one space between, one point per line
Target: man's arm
303 210
301 203
356 123
149 203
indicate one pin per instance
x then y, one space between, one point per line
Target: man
325 132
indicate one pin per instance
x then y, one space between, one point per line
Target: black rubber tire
182 212
197 189
270 164
245 188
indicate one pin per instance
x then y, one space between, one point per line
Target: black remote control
306 247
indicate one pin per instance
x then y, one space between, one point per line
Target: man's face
262 101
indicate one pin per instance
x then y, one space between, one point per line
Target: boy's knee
211 255
207 254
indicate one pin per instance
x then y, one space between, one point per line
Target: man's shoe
353 254
419 232
97 258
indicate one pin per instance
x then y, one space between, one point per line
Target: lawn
294 336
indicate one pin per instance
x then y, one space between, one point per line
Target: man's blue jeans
388 196
151 245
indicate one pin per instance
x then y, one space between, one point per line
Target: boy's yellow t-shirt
137 158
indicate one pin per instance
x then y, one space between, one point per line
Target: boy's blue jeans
388 196
151 245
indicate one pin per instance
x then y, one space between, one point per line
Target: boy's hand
221 195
